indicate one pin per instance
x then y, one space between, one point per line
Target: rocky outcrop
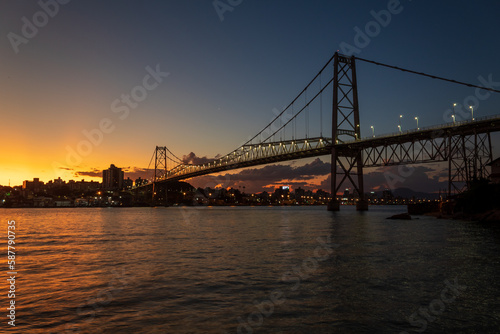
401 216
492 216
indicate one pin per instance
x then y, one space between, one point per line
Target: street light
416 118
399 127
400 116
472 109
373 131
453 116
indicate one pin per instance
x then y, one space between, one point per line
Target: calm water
250 270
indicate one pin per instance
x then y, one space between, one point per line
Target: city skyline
253 61
381 179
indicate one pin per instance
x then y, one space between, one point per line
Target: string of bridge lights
400 126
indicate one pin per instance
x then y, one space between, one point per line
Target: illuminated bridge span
466 145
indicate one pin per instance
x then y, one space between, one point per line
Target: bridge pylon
468 156
347 164
160 172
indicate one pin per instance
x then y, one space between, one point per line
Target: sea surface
249 270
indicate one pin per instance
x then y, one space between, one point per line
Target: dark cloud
92 173
311 176
316 175
131 172
191 158
417 178
268 177
275 173
135 172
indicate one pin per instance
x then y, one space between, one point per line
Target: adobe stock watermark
222 6
471 102
30 28
193 213
120 106
436 307
373 28
406 171
403 173
265 308
273 127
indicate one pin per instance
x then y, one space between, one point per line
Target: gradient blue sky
225 77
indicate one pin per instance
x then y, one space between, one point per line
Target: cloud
191 158
130 172
135 172
92 173
268 177
417 178
310 176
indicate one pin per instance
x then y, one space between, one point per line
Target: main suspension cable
428 75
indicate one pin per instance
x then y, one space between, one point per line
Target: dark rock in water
401 216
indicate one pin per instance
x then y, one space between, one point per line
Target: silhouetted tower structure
345 126
468 158
160 170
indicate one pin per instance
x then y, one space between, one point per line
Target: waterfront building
112 178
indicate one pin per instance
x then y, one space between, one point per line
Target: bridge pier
362 205
333 205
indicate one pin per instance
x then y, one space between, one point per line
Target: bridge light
453 116
373 130
416 118
472 110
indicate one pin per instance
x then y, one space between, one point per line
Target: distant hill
408 193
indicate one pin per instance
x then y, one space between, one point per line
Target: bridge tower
160 171
347 164
468 156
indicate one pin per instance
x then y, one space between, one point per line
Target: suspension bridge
332 97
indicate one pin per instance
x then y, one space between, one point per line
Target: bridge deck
271 152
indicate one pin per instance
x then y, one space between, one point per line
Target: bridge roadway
431 144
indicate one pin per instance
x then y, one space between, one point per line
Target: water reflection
214 270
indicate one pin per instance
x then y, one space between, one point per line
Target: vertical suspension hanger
307 114
320 106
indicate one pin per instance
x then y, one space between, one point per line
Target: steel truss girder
467 155
256 154
424 146
467 160
417 151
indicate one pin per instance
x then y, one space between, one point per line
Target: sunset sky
212 83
